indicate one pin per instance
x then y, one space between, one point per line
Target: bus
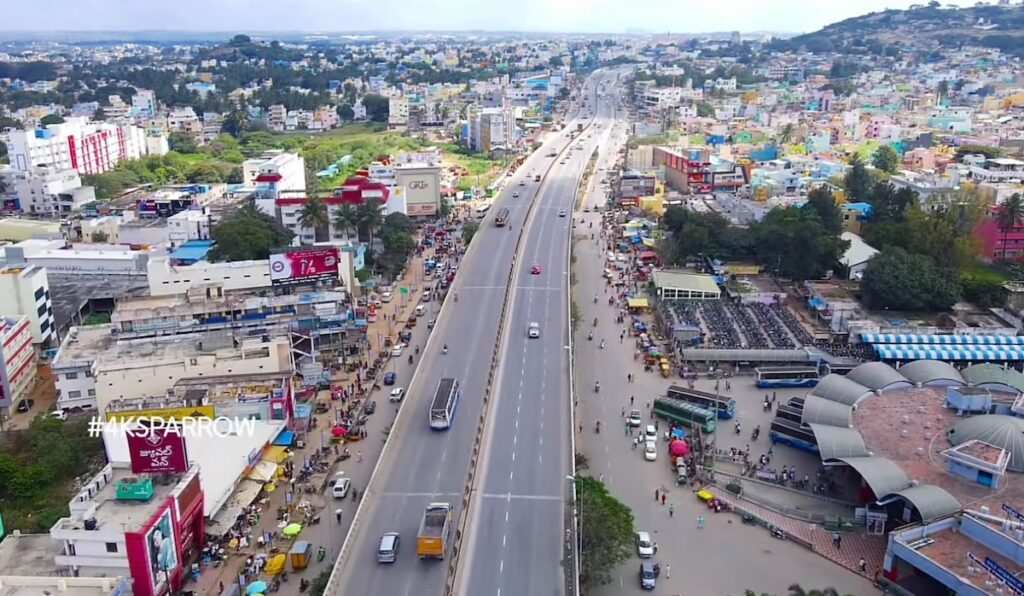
442 408
724 407
685 414
793 434
482 209
775 377
790 413
840 369
502 217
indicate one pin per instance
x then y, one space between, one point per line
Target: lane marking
404 495
522 497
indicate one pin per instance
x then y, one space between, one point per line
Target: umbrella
338 431
678 448
292 530
257 587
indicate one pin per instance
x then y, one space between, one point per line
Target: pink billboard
157 451
304 265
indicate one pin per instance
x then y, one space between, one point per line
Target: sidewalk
329 533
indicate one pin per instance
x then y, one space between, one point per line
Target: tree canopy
606 531
857 180
795 242
898 280
51 119
247 234
885 159
377 108
823 204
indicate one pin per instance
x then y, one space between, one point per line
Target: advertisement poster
157 451
160 547
303 265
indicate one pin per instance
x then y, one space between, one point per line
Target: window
41 310
40 292
111 547
71 376
92 393
88 374
74 394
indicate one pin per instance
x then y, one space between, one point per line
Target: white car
340 488
561 213
634 418
533 331
650 451
397 350
644 545
650 434
396 394
515 195
59 414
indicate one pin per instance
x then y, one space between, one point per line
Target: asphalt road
515 543
419 465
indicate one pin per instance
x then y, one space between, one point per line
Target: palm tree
1009 217
345 218
796 590
369 218
787 134
314 215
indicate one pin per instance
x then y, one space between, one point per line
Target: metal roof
931 502
739 355
693 282
1005 432
958 354
818 410
929 371
876 375
881 474
840 389
942 340
992 374
835 442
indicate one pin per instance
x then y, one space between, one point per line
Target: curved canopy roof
840 389
929 371
818 410
881 474
876 375
835 442
971 353
993 374
942 340
931 502
1005 432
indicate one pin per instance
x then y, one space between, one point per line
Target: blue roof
192 251
862 208
285 439
950 353
942 340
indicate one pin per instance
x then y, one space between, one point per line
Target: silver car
387 550
533 332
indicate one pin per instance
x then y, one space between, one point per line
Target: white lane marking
403 495
506 519
501 566
525 497
513 456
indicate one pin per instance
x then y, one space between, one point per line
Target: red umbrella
678 448
338 431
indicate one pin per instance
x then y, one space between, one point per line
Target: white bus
442 408
482 209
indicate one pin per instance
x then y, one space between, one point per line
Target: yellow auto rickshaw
666 368
300 554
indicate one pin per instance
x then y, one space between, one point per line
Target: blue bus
794 434
724 407
782 377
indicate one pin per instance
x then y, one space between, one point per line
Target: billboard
157 450
299 266
162 414
161 551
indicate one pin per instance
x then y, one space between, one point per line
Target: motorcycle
597 387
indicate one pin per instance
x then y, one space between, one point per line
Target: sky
585 16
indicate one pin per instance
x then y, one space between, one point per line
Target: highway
520 508
418 465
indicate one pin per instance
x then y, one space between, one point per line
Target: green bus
686 414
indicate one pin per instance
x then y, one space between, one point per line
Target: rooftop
109 511
28 555
949 549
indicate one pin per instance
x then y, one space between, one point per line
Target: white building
190 224
358 110
421 184
398 111
144 104
54 193
237 275
273 173
856 258
25 291
17 359
76 144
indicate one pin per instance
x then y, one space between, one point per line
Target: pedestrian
337 515
862 565
355 494
359 456
671 510
630 400
220 587
662 498
627 428
581 428
623 411
700 522
655 495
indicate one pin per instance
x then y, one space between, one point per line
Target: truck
432 539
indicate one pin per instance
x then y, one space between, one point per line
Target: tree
369 219
377 108
236 123
469 230
182 142
345 219
694 234
885 159
396 237
99 237
100 114
857 180
205 173
3 152
240 40
985 150
786 135
823 204
314 215
345 112
895 279
50 119
1009 215
606 531
889 203
247 234
795 243
796 590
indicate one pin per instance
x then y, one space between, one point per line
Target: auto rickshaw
666 369
276 564
300 554
705 495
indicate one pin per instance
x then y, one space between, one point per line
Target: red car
535 270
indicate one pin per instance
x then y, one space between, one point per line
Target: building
273 173
398 111
679 285
76 144
144 104
166 279
855 259
277 115
25 291
191 224
421 184
17 360
998 170
42 191
633 185
122 523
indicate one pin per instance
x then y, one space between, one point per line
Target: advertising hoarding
161 551
157 450
300 266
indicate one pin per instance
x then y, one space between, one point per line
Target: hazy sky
518 15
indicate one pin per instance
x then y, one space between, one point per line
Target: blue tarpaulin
908 352
942 340
286 438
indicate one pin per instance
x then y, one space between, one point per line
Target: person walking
671 510
862 565
662 498
337 515
655 495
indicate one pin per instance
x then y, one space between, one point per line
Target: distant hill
892 32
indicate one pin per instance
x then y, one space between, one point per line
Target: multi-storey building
17 360
25 290
42 191
398 111
76 144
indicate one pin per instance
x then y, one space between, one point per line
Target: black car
25 405
371 407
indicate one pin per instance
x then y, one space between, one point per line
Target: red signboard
157 451
304 265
